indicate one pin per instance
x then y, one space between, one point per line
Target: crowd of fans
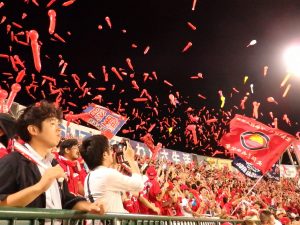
142 185
204 191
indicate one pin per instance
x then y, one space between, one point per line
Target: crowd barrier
30 216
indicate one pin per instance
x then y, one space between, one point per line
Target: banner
255 142
288 171
250 171
246 168
218 163
73 130
80 132
106 121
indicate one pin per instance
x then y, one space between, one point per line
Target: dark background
219 52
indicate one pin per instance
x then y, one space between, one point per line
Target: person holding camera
103 181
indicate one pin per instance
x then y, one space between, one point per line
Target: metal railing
33 216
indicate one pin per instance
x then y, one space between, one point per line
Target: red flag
255 142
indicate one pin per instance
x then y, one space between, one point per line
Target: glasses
75 147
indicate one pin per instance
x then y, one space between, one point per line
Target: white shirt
106 184
53 199
185 203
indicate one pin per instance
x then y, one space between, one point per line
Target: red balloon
33 35
15 87
52 17
3 94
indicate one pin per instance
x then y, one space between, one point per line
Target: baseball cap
171 186
285 220
184 187
151 172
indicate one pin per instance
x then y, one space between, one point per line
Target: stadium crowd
202 191
142 185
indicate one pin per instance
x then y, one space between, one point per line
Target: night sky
218 51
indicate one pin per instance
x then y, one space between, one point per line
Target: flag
255 142
108 122
246 168
250 171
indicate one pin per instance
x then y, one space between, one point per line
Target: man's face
272 220
256 206
203 191
49 134
110 157
280 215
73 152
186 193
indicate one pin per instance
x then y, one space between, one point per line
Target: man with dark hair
7 131
68 160
103 181
266 218
31 177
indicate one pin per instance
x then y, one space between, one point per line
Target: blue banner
250 171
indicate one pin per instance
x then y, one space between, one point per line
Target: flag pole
290 155
258 180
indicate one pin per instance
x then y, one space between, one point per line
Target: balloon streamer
33 35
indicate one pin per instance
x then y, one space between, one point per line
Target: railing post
115 221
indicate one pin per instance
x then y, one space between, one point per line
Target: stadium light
292 59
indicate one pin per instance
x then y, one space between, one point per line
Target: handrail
37 213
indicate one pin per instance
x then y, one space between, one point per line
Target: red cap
151 172
184 187
171 186
285 220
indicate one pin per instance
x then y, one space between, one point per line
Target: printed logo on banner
108 122
254 140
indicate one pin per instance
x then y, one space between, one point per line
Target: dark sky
219 52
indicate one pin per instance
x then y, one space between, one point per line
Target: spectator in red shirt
130 202
68 160
167 200
174 209
149 198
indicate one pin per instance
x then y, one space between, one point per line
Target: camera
119 151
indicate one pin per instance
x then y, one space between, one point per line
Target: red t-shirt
150 192
165 209
227 206
74 173
128 205
136 204
266 199
174 210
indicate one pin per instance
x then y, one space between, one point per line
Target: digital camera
119 151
